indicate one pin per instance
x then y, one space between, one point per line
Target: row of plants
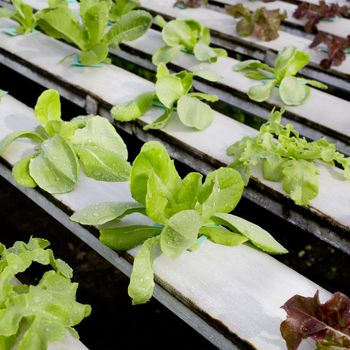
291 159
103 24
92 143
34 316
179 35
184 35
193 38
336 47
184 211
265 24
173 93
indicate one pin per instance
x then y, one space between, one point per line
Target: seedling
322 12
92 35
326 324
286 157
185 35
263 23
292 90
62 146
182 209
34 316
172 93
336 49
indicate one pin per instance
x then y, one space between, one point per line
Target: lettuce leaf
187 35
172 92
101 213
285 157
62 146
141 281
92 35
337 49
314 13
263 23
23 15
153 160
33 316
180 233
327 324
293 90
122 7
255 234
182 209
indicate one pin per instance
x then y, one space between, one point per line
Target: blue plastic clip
10 31
198 243
158 225
13 32
332 19
76 62
201 239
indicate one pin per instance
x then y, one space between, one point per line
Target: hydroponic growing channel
201 148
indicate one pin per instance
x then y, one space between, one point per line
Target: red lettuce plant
263 23
327 324
315 13
336 48
190 3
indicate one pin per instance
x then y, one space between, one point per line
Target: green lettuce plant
286 157
292 90
23 15
92 34
186 35
62 146
34 316
57 3
120 8
172 92
182 210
